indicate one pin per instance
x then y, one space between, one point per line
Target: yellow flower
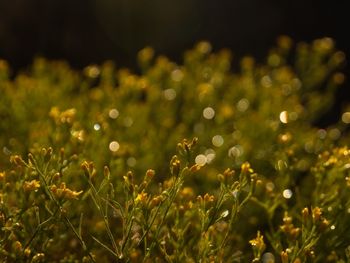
69 194
316 213
142 197
175 166
258 242
187 193
208 198
31 186
245 168
68 115
64 192
2 176
54 113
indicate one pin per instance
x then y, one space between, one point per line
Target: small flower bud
245 168
316 213
27 252
258 243
2 176
17 160
287 219
175 166
156 201
106 172
284 257
208 198
228 173
31 158
150 174
85 166
305 213
194 168
295 232
43 151
130 176
38 257
324 224
56 176
62 154
17 247
48 154
221 178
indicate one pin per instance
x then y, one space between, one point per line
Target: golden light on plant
95 167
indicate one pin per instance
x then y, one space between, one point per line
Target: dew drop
322 133
217 140
334 134
243 105
346 117
169 94
6 151
114 146
113 113
224 214
266 81
268 257
235 151
97 127
284 117
210 154
177 75
332 227
287 193
210 157
201 159
92 71
208 113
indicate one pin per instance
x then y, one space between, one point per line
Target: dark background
92 31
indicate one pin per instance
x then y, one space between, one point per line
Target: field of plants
207 160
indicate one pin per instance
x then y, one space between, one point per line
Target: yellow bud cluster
64 192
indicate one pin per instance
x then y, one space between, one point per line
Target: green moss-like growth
85 172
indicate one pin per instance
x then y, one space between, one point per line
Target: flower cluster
95 167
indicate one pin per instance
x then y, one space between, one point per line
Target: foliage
85 172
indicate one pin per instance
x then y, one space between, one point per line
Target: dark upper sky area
91 31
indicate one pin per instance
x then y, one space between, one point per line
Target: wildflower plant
95 168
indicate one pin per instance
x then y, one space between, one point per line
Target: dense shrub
85 172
